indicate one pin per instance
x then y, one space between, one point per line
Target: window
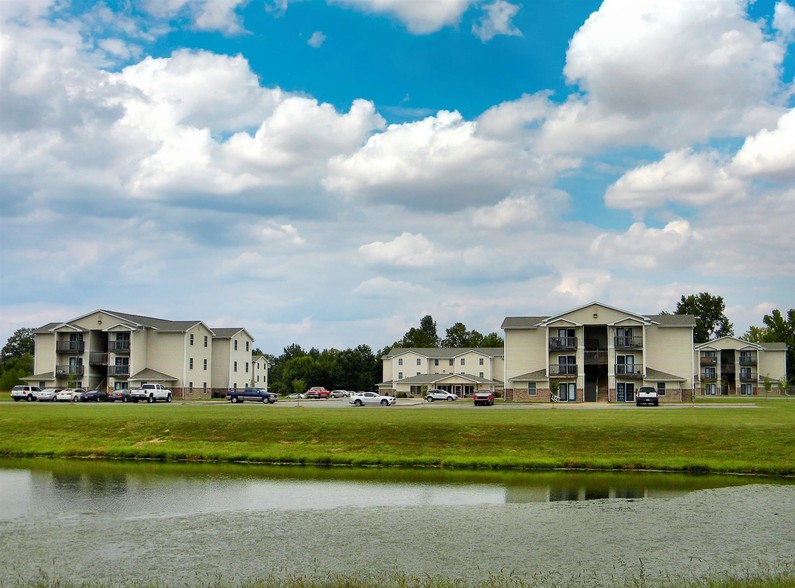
711 390
247 343
745 373
400 361
205 340
190 363
709 373
204 387
451 362
418 373
235 344
435 362
205 365
190 387
480 361
746 389
191 339
660 388
463 361
235 369
481 374
531 389
246 367
400 375
625 392
419 361
625 364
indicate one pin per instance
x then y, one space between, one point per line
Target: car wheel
168 398
384 402
357 402
29 398
450 398
75 399
429 399
150 399
124 399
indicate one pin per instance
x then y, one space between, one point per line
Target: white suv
24 393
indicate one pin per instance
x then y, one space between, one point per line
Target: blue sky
327 172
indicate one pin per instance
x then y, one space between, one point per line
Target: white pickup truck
150 393
647 395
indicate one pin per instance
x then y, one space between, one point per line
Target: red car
483 397
317 392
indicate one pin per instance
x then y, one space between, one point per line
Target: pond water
183 525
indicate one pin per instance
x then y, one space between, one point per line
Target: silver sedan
371 399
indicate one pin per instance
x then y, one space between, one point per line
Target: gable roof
661 320
445 352
773 346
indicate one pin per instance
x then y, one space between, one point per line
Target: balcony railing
629 371
98 359
706 360
749 359
119 346
629 342
558 370
68 370
70 346
748 376
709 376
562 343
595 357
118 370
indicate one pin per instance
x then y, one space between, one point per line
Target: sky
327 172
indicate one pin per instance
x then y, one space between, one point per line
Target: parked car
435 394
252 393
122 394
27 393
47 395
483 398
340 393
371 398
94 396
317 392
296 396
69 395
647 395
150 393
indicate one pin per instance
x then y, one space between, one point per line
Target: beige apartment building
114 350
729 366
597 353
414 371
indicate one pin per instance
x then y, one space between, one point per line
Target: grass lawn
741 439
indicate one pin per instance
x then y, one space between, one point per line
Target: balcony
70 346
749 360
562 343
119 346
709 376
118 371
562 371
629 342
64 371
629 370
98 359
748 376
596 357
707 360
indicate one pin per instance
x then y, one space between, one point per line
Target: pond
183 525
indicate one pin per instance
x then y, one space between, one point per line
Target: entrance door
591 385
567 392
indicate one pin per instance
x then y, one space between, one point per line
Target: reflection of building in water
563 493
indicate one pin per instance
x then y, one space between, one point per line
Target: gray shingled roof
446 352
652 374
155 323
665 320
433 378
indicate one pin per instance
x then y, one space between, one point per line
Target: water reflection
40 487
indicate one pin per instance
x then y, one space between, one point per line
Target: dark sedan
94 396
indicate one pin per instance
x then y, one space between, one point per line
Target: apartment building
115 350
729 366
414 371
598 353
260 376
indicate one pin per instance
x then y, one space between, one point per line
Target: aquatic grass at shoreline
747 441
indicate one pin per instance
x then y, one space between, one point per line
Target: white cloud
667 74
381 287
784 19
407 250
316 40
521 211
419 16
496 21
581 286
769 154
646 247
209 15
682 177
273 232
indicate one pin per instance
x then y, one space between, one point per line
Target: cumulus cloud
419 16
208 15
496 21
682 177
769 154
521 211
582 286
667 73
407 250
441 162
381 287
645 247
274 232
784 19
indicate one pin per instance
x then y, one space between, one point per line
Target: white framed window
746 389
400 375
205 365
481 374
463 361
451 362
235 369
435 362
531 389
190 363
191 339
205 340
419 361
235 344
480 362
711 389
660 388
400 361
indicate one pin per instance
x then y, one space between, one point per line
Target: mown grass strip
719 440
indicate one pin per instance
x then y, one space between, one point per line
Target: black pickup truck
260 394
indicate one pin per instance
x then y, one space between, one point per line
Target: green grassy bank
739 440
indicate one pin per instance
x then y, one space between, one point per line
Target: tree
492 340
18 344
778 329
458 336
708 310
425 336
